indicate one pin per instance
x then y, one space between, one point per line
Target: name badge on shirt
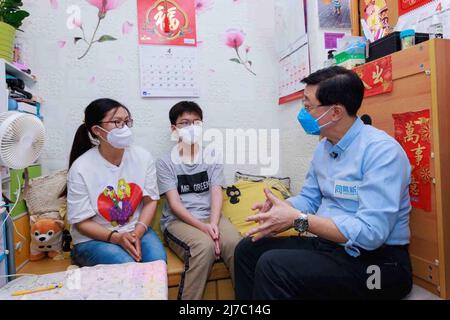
346 189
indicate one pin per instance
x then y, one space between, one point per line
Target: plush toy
46 237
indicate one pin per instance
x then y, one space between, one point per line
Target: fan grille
22 138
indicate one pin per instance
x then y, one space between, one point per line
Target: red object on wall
167 22
376 76
405 6
412 131
291 97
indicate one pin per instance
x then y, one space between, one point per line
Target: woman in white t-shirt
112 191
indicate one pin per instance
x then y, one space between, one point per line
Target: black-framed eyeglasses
186 123
120 123
309 108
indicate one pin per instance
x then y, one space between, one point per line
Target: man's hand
278 218
262 207
212 230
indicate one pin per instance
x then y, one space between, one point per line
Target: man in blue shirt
355 199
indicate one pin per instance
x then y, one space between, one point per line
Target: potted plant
11 17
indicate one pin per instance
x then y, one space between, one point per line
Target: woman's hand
129 242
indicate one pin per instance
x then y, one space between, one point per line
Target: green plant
11 13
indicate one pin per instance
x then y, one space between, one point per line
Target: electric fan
21 141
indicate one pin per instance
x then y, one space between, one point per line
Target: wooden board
225 290
210 291
440 77
413 92
45 266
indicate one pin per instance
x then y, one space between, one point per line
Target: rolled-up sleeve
310 197
386 177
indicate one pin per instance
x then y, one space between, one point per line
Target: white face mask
119 138
191 134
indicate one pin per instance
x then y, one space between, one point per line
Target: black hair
94 113
337 85
184 107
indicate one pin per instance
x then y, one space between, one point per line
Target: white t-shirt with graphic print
111 194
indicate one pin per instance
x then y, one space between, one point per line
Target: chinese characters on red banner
376 76
167 22
412 131
405 6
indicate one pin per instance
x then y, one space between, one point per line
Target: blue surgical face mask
309 123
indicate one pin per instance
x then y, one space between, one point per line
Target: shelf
13 70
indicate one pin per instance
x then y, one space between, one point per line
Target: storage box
390 44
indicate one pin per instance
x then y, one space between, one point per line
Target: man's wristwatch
301 223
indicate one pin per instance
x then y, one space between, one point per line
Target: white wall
298 147
230 97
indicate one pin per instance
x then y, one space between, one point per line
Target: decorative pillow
48 211
240 197
281 184
42 194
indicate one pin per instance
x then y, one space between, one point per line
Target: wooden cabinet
422 81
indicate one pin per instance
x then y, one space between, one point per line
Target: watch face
301 224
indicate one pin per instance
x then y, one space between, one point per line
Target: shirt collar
348 138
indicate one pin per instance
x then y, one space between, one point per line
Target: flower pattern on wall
203 5
103 6
235 39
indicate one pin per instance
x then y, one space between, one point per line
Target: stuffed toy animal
46 237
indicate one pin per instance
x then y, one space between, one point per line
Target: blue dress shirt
362 184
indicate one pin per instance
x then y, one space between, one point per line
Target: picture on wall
376 16
167 22
335 14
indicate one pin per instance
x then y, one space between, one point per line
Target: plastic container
408 38
331 61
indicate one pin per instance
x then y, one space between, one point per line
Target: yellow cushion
241 196
156 222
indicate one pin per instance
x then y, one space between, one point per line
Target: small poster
412 131
334 14
376 76
167 22
376 17
331 39
169 71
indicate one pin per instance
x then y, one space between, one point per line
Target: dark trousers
313 268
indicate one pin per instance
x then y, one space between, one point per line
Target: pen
51 287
